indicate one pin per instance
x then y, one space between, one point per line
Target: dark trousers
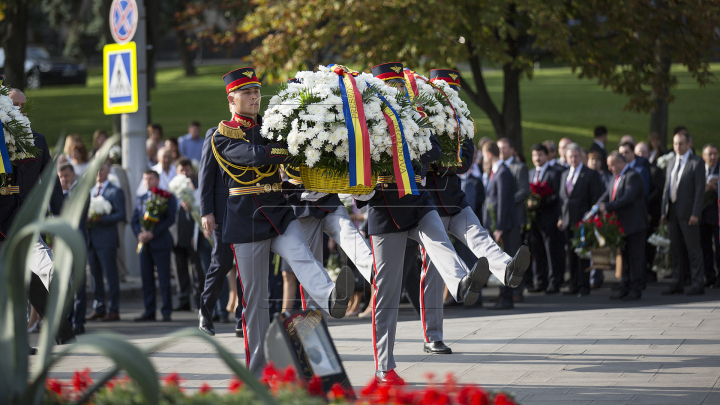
78 310
685 251
189 284
220 264
543 241
580 278
708 238
205 253
633 272
511 242
103 261
38 296
151 260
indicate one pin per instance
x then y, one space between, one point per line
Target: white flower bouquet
309 117
19 141
182 188
98 206
446 112
115 155
663 160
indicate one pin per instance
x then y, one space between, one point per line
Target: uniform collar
244 122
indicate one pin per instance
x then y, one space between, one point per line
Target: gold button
276 187
4 191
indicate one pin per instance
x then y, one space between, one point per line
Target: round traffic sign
123 20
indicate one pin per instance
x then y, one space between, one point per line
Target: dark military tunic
252 217
318 209
443 183
388 213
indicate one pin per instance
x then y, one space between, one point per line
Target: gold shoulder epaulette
231 129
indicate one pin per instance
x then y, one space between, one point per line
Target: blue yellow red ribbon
5 166
358 135
402 166
150 218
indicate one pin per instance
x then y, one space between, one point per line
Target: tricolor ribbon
412 89
358 135
402 166
457 119
150 218
5 166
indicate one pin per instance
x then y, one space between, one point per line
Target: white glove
422 183
312 195
364 197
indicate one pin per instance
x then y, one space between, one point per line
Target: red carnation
472 395
235 384
370 388
541 189
502 399
54 386
315 387
336 392
205 388
172 379
622 230
435 397
81 379
289 376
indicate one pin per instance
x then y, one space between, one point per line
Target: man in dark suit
544 234
682 207
598 145
709 222
627 149
654 203
520 173
580 188
626 199
102 248
500 213
155 253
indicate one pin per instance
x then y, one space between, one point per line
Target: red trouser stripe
244 304
374 301
422 295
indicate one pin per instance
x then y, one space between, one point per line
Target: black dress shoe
239 333
470 285
183 307
224 319
537 289
502 304
583 292
341 294
437 348
619 295
571 291
552 290
206 325
145 317
166 318
95 316
632 296
78 329
695 291
517 266
709 283
672 291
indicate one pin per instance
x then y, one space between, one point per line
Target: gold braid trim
272 169
290 175
234 133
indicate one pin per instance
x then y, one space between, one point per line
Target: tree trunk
185 54
15 42
511 107
660 94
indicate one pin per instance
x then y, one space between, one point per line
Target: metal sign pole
134 133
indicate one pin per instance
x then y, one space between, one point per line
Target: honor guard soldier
391 220
459 220
258 219
213 199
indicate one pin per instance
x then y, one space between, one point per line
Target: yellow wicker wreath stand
326 182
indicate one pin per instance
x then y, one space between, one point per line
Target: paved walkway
660 350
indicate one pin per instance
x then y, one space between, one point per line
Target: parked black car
45 66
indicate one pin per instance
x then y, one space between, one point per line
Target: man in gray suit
681 208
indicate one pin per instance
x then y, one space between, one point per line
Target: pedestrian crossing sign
120 93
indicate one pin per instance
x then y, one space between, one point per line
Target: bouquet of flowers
659 239
182 188
19 141
598 231
115 155
663 160
155 206
98 206
538 192
309 116
448 114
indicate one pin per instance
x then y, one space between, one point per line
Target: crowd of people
483 205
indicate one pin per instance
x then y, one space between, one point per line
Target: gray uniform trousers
253 265
41 261
466 227
342 230
388 255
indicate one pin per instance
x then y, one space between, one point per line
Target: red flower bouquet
598 231
538 192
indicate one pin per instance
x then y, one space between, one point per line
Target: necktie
569 184
617 180
675 182
98 190
537 175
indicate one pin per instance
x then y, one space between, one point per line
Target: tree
13 35
629 45
298 34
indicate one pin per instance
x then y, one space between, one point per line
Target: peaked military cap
452 77
242 78
391 72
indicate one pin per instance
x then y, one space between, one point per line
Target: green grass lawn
555 103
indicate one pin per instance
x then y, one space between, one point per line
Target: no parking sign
123 20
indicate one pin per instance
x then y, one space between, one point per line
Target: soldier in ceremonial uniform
391 220
259 219
458 219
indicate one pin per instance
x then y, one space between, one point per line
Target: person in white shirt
564 142
164 168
